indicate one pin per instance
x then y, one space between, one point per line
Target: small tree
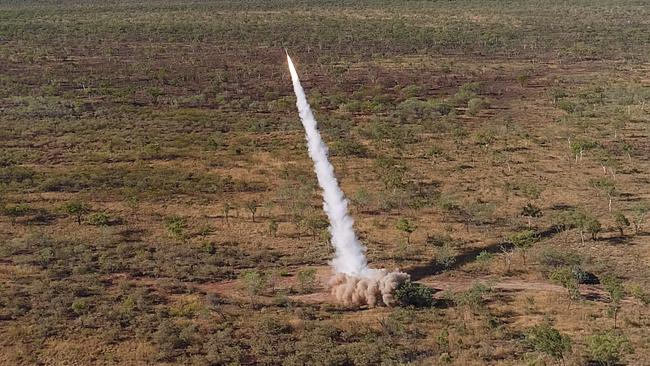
546 339
77 209
607 161
314 222
226 211
407 227
579 219
307 280
618 123
593 227
531 211
606 186
273 228
614 287
507 257
578 147
607 348
523 241
628 149
566 278
252 207
564 221
640 212
585 223
254 283
621 222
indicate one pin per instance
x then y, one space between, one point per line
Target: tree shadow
617 240
433 267
442 303
591 295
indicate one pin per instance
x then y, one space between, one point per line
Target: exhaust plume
354 282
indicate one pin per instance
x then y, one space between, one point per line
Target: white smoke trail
349 258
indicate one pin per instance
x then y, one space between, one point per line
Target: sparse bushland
149 112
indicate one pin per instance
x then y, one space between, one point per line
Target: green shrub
414 294
593 227
546 339
175 225
446 255
476 105
18 210
188 309
473 87
170 337
411 109
641 294
557 94
566 105
438 240
474 297
484 257
411 91
440 108
349 147
466 92
99 219
607 348
79 307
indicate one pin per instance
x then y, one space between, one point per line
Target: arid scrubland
158 206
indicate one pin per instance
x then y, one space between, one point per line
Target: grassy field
158 207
